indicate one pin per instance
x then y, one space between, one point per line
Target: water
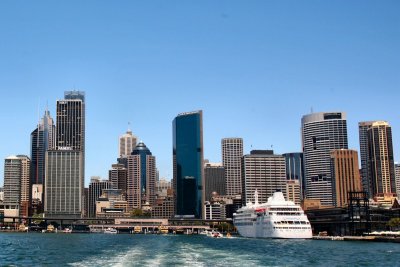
34 249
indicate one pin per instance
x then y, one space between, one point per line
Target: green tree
394 223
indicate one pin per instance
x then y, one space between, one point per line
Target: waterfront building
65 190
321 133
295 172
63 184
162 187
118 176
127 142
164 206
265 172
345 175
364 155
16 185
380 158
96 188
293 191
142 174
188 164
232 153
42 139
112 204
214 177
214 211
397 174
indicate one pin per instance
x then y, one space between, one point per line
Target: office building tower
96 188
364 155
188 165
118 176
265 172
295 175
214 179
321 133
63 186
380 159
1 195
16 186
127 142
232 153
162 187
65 165
142 174
397 174
345 175
42 139
293 191
164 206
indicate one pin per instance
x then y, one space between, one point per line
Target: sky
253 67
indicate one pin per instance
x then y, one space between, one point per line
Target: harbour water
35 249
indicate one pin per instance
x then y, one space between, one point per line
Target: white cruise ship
276 218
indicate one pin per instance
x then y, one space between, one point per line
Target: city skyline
248 67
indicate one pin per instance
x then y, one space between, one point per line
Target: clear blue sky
254 68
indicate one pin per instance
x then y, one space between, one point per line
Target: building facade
96 188
232 153
381 159
214 177
188 165
265 172
345 175
321 133
63 185
142 172
397 174
65 165
16 186
295 176
42 139
364 155
127 142
118 176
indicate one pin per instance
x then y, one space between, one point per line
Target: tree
394 223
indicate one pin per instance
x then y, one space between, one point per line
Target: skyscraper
380 159
126 144
232 153
188 164
321 133
96 188
397 174
16 185
214 177
295 175
365 168
345 175
265 172
141 180
42 139
64 185
118 176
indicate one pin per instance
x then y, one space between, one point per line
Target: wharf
369 238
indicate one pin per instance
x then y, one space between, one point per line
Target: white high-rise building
232 153
321 133
127 142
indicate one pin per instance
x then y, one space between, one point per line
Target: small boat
67 230
205 232
216 234
110 230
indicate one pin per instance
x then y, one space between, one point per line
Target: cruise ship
276 218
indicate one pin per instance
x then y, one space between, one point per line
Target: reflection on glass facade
188 163
295 170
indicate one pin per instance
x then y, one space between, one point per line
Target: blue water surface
34 249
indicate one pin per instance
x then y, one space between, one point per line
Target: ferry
277 218
110 230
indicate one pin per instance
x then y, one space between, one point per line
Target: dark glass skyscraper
295 170
188 163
